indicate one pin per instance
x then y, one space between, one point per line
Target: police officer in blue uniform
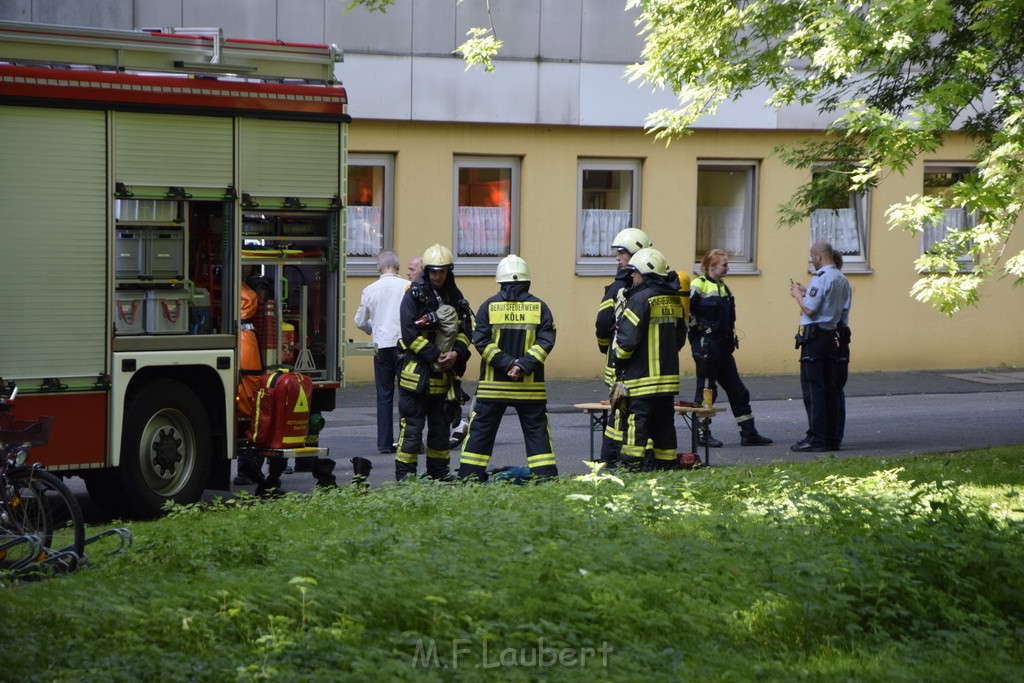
821 308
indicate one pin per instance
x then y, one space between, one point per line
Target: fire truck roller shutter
160 151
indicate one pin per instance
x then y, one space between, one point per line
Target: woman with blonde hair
713 341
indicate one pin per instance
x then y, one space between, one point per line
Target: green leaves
901 74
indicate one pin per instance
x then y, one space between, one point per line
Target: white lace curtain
484 230
953 220
721 227
599 229
838 227
364 231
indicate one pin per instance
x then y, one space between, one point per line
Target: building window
608 192
486 212
726 211
369 210
842 220
938 182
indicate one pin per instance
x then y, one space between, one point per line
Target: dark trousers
385 372
818 383
649 417
483 430
728 377
419 412
842 374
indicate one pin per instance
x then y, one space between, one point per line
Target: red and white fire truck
144 176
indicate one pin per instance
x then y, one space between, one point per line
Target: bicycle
41 522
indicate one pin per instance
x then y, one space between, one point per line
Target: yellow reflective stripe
490 351
664 454
622 353
631 316
513 312
469 458
604 341
653 350
607 303
418 344
538 352
510 391
540 459
407 458
438 454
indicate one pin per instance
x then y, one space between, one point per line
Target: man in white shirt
378 316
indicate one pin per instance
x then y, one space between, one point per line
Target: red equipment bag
281 417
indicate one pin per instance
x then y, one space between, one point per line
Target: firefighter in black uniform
514 333
651 331
436 321
626 243
712 343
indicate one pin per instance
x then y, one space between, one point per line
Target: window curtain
953 220
721 227
364 230
484 230
840 228
599 229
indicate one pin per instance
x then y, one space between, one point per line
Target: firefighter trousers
650 417
416 412
483 429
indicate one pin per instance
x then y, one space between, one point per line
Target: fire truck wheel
165 448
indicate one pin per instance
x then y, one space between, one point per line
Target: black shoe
704 438
242 480
388 451
755 440
288 470
832 446
804 447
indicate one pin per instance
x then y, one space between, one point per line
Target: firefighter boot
749 435
271 486
469 472
544 472
405 471
361 470
322 469
437 468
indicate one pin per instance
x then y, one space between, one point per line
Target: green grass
842 569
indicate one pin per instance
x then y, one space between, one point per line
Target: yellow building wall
891 331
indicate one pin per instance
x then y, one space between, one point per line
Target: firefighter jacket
712 311
418 373
651 331
605 325
513 326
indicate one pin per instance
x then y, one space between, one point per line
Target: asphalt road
888 414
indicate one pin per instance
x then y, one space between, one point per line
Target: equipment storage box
165 251
128 315
199 312
166 312
130 253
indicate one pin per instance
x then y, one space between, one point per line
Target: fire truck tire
165 449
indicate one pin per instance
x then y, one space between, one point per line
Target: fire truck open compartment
143 177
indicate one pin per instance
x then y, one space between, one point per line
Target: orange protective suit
250 364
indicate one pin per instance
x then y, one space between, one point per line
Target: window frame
967 262
605 265
860 202
752 169
485 265
367 265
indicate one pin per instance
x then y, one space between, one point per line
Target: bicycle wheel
37 502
